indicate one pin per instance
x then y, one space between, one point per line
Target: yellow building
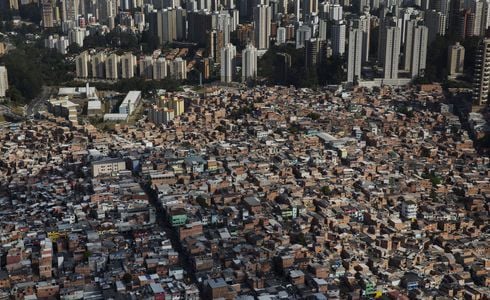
178 106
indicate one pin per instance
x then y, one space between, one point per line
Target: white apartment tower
82 63
338 38
160 68
354 57
415 48
262 26
112 67
146 67
364 24
128 64
4 83
166 25
389 50
455 60
178 69
228 53
98 65
249 63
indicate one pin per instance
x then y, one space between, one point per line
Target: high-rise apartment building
314 52
364 24
178 69
146 67
160 68
436 22
482 73
4 82
82 64
112 67
214 44
262 26
98 65
228 53
455 60
389 50
303 34
166 25
338 38
249 63
128 64
281 36
354 57
47 14
415 48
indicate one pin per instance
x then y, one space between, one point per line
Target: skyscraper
98 65
228 53
112 67
214 44
281 36
364 24
166 25
455 60
262 26
482 73
415 48
436 23
146 67
354 57
303 34
160 68
77 35
81 66
249 63
309 7
128 64
178 69
314 52
338 38
47 12
4 83
389 50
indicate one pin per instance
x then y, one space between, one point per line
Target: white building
146 67
409 209
130 102
338 38
178 69
4 83
249 63
98 65
389 50
354 57
415 48
456 60
303 34
77 35
228 53
281 36
160 68
128 64
112 67
262 15
82 64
